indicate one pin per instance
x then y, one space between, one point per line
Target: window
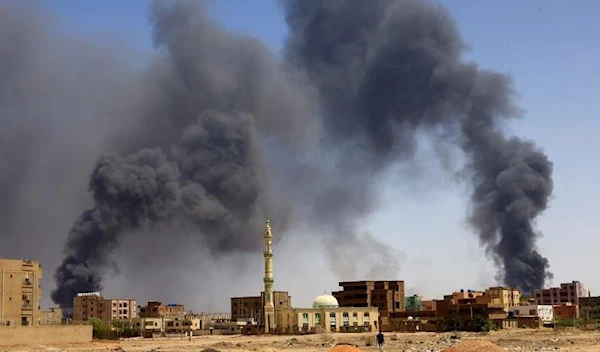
305 318
355 316
317 318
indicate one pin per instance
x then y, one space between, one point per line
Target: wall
544 312
20 292
34 335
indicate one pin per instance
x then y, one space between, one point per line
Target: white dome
325 301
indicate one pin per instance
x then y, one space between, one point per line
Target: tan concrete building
53 316
327 316
88 305
20 292
118 309
502 297
157 309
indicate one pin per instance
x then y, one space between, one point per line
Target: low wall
33 335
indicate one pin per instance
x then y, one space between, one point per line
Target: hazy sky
549 47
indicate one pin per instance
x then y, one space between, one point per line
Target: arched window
305 317
317 318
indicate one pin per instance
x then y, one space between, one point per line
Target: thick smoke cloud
392 70
220 134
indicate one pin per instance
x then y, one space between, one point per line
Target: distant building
252 307
544 312
428 306
21 292
388 296
156 309
566 293
498 296
327 316
566 311
463 294
88 305
53 316
589 307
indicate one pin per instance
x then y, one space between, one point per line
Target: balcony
27 306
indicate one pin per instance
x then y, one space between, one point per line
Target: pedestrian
380 341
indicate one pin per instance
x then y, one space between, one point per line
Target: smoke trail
392 70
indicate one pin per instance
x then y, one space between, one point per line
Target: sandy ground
515 340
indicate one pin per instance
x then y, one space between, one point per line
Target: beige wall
118 309
35 335
20 292
298 319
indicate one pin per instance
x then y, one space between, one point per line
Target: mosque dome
325 301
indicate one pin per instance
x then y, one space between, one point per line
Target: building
500 296
428 305
118 309
21 292
589 307
544 312
388 296
88 305
467 313
566 311
326 315
53 316
463 294
566 293
156 309
252 307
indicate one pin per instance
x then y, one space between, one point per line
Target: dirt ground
508 340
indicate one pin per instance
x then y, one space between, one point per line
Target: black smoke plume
389 71
220 133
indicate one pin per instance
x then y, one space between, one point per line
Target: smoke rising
220 134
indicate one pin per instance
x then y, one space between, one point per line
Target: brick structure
90 305
566 293
589 307
156 309
388 296
566 311
252 307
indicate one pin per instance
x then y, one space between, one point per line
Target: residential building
500 297
53 316
327 316
566 293
566 311
118 309
428 305
88 305
156 309
464 314
463 294
544 312
252 307
589 307
387 296
21 292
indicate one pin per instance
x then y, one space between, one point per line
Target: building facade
252 307
327 316
387 296
118 309
88 305
589 307
20 292
156 309
544 312
566 311
53 316
504 297
566 293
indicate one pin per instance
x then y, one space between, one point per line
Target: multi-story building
53 316
566 293
88 305
20 292
589 307
157 309
252 307
544 312
503 297
118 309
388 296
463 294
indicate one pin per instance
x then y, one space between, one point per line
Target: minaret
268 254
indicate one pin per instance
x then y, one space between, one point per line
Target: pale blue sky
549 47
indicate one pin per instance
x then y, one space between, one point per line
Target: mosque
272 311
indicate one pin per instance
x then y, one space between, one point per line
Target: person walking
380 341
